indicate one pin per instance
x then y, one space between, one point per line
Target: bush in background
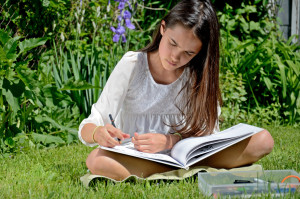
62 77
30 107
269 66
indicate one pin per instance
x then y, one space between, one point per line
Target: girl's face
177 47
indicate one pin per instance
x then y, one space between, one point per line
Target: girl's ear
162 27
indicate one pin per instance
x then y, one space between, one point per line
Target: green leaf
10 48
28 76
29 44
244 45
298 101
4 37
293 98
254 25
77 85
2 55
283 77
54 97
268 83
45 118
56 75
75 67
295 67
47 139
9 142
12 91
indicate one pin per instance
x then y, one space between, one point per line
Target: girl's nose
175 56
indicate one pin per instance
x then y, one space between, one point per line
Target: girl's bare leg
246 152
118 166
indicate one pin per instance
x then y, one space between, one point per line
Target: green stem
252 91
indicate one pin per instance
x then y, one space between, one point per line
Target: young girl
166 92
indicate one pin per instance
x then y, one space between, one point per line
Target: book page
184 148
195 159
128 149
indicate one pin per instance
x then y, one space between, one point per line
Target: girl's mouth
171 63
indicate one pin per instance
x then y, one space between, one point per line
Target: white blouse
137 102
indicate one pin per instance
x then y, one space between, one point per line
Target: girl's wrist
94 133
172 139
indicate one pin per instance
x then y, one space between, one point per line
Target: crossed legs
118 166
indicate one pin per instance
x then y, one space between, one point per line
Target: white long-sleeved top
137 102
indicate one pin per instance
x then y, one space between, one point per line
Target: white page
204 146
226 145
181 150
128 149
207 149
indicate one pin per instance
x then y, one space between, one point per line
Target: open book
191 150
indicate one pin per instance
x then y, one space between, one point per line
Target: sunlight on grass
55 173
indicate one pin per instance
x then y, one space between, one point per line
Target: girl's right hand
105 135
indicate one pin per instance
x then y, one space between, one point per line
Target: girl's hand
105 135
151 142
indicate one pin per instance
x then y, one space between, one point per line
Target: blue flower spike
125 15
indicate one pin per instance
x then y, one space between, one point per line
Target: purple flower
119 18
127 14
116 38
112 29
121 5
129 5
129 24
123 38
120 31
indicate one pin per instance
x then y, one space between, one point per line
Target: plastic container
248 183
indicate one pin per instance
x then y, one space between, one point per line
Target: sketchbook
191 150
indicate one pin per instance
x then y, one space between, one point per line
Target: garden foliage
31 107
57 55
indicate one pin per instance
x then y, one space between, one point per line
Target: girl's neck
159 74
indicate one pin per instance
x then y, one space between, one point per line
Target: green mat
178 174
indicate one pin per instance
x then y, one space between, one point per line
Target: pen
113 123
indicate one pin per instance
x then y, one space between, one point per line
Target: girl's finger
109 145
137 136
114 132
108 140
113 142
147 151
142 147
142 142
145 136
139 147
125 136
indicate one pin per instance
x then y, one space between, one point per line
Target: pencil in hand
113 123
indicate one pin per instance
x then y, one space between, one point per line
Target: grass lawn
55 173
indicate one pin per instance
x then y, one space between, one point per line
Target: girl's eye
189 54
172 44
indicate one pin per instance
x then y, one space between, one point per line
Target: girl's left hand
150 142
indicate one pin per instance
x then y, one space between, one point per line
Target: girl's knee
264 144
93 159
90 160
266 141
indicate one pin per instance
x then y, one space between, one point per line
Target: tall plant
23 96
269 65
81 66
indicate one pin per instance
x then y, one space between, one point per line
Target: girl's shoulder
133 56
133 61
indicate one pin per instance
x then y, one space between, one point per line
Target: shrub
27 104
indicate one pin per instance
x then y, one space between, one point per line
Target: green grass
55 173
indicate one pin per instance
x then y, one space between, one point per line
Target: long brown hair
200 110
